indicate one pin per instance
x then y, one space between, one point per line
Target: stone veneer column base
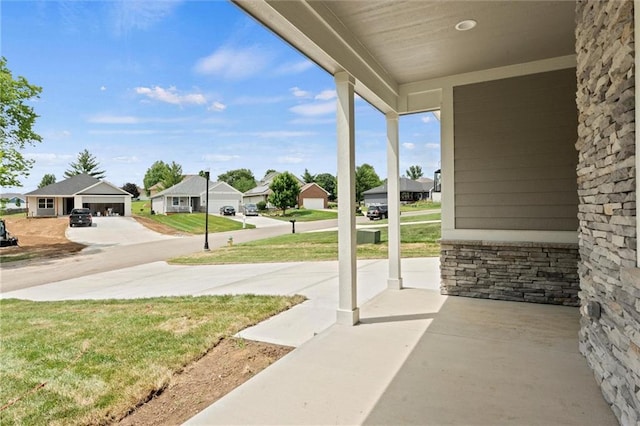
515 271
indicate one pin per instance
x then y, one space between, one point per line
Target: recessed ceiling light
466 25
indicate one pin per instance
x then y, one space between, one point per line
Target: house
13 201
221 194
410 192
538 149
261 191
313 197
189 196
79 191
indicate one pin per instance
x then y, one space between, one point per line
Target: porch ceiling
388 43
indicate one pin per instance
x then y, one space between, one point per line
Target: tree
269 171
285 190
241 179
329 183
131 188
154 175
86 163
415 172
308 177
16 126
172 175
366 178
47 180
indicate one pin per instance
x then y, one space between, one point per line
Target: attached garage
313 197
105 205
222 194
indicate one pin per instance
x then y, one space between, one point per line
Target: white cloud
429 118
128 15
299 93
49 159
281 134
57 134
234 64
113 119
171 95
326 95
219 157
433 145
257 100
135 132
289 159
312 121
294 67
315 109
217 106
103 88
126 159
409 145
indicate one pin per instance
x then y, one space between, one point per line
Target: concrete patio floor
419 358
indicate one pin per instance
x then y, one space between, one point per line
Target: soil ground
222 369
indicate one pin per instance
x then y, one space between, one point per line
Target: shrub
261 205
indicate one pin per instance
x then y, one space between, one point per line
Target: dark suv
227 211
377 212
80 217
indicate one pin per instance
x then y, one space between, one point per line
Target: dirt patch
38 238
225 367
156 226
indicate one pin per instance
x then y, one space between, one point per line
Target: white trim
393 201
568 237
636 27
447 188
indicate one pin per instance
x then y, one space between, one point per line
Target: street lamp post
206 214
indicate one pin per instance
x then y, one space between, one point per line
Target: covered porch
538 153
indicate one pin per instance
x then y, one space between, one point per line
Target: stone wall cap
487 243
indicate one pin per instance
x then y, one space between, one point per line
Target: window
175 201
45 203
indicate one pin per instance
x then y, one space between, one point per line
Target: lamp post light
206 214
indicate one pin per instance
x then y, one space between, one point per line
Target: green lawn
192 223
419 205
417 241
408 219
89 362
302 215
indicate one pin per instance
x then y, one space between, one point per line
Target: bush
261 205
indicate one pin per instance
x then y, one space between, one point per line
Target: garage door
214 205
313 203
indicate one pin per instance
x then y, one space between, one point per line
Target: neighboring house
410 191
154 189
183 197
261 192
13 201
313 197
221 194
79 191
189 196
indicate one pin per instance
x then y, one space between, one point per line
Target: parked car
81 217
227 211
377 212
250 210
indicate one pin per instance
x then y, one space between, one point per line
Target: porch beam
393 200
348 312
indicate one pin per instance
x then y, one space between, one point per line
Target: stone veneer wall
609 279
521 272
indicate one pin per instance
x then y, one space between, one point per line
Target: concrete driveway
114 230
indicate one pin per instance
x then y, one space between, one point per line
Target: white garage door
313 203
214 205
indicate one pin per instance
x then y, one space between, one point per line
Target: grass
419 205
408 219
89 362
417 241
192 223
303 215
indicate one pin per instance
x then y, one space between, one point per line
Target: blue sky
195 82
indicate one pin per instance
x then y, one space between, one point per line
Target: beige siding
514 153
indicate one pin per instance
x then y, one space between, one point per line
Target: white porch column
393 200
348 312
